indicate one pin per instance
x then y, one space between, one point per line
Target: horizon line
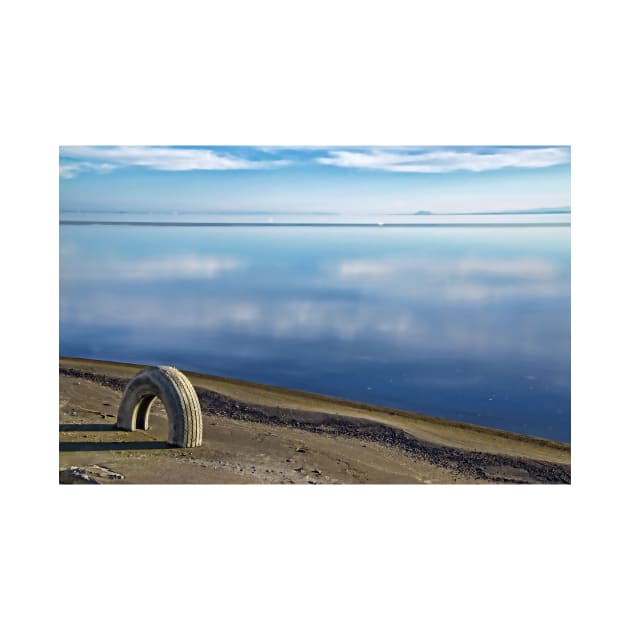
278 224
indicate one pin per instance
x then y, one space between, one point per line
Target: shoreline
306 396
446 451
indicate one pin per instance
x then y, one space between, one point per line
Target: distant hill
560 210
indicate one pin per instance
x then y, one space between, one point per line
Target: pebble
300 450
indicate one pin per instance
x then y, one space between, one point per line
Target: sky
279 180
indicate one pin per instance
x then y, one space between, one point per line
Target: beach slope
261 434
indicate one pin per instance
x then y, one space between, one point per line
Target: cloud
447 160
103 159
78 159
69 170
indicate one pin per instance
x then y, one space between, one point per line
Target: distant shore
277 224
261 434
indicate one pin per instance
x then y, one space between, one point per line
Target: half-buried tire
178 397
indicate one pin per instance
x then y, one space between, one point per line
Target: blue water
467 323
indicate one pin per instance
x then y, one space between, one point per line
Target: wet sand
262 434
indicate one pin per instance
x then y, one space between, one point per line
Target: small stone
300 450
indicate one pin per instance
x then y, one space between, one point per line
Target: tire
178 397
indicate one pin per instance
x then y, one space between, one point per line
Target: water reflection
467 326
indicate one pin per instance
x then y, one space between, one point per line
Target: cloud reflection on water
178 267
425 318
458 280
410 328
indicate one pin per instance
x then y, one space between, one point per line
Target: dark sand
261 434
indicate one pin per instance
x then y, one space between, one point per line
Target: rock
74 475
300 450
89 474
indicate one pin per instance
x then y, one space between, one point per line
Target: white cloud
69 171
155 158
447 160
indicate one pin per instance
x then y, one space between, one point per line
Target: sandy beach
261 434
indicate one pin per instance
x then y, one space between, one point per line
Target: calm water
468 323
